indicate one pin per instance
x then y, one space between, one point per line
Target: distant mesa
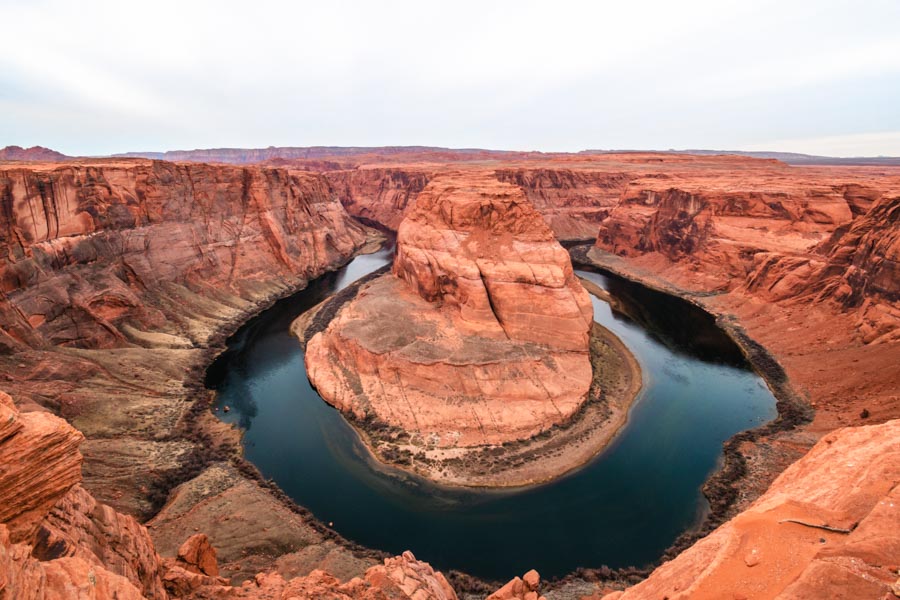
35 154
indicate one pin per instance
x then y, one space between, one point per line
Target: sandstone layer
120 280
478 338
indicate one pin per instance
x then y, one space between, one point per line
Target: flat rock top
387 317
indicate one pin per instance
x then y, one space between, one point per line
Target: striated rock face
573 201
116 278
95 252
23 577
381 195
850 481
479 337
480 248
56 541
40 462
792 241
80 527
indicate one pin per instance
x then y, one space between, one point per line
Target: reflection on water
624 508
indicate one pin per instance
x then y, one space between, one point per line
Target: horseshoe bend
476 357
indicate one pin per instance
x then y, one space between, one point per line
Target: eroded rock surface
479 337
119 279
63 544
782 547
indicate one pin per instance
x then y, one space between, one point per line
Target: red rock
198 555
94 247
381 195
480 338
851 476
532 579
24 577
41 462
79 526
524 588
574 202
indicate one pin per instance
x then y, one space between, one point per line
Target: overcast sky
94 77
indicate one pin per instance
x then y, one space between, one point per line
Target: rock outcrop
526 587
826 528
58 542
40 462
793 243
55 540
479 337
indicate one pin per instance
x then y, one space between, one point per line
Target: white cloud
530 75
880 143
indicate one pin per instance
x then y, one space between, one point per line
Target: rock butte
482 330
121 277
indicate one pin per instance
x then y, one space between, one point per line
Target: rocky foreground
120 278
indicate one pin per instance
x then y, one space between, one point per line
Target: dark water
624 508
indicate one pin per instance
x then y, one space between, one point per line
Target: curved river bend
624 508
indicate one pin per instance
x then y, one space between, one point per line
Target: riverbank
616 382
751 459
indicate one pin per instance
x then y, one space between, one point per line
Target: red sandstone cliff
380 195
849 482
96 254
573 201
117 278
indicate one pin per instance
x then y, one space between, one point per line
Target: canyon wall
573 201
380 195
101 256
118 282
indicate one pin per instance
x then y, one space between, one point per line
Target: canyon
121 279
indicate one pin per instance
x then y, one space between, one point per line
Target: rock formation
97 252
826 528
480 336
573 201
524 588
55 541
58 542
